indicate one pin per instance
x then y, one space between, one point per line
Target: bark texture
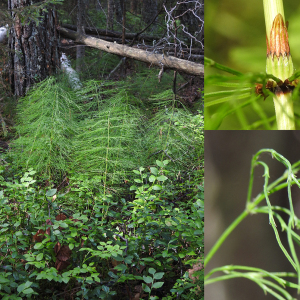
149 10
110 15
160 60
80 50
33 49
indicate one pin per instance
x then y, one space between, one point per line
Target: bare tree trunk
119 10
149 10
133 6
110 15
80 49
34 48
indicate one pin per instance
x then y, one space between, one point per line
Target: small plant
151 283
273 283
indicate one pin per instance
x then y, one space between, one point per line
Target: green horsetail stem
279 62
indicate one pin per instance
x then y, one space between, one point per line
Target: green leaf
38 246
21 287
162 178
148 259
154 170
128 259
51 192
157 187
39 256
159 163
28 284
157 285
158 275
28 291
63 225
147 279
66 279
146 288
4 280
133 188
120 267
152 178
151 271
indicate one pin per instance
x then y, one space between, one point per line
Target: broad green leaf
157 187
4 280
148 279
154 170
51 192
152 178
38 246
28 291
146 288
120 267
151 271
162 178
159 163
21 287
157 285
158 275
39 256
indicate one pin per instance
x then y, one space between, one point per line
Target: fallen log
161 60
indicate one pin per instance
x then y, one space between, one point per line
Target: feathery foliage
46 124
102 131
108 143
231 101
173 132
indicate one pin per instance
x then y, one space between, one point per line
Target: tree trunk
110 15
149 10
160 60
80 49
133 6
34 48
119 10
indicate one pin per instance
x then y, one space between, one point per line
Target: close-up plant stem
279 62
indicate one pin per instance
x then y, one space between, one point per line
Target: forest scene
101 149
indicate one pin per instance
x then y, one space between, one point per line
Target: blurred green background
235 36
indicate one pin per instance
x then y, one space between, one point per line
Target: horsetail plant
274 283
279 63
279 81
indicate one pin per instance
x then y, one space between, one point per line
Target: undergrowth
105 245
